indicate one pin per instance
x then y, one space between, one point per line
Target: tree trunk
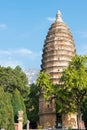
79 118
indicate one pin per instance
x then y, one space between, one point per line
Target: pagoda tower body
58 50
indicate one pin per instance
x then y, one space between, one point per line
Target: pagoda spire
58 16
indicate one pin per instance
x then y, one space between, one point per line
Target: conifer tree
6 111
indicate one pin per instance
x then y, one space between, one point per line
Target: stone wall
48 121
69 120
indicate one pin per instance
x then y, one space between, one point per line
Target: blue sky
24 25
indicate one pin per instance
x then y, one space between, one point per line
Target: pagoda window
58 70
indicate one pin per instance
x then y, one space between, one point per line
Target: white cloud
51 19
5 52
12 63
3 26
22 51
23 57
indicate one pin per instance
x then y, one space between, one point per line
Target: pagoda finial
58 16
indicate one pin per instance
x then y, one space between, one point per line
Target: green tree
32 103
18 104
75 81
50 91
72 90
43 81
15 82
6 111
21 81
11 79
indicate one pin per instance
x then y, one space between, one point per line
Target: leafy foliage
15 82
11 79
22 81
43 82
18 104
75 80
70 94
32 103
6 111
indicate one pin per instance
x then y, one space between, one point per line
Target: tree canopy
43 82
32 103
18 104
15 83
6 111
72 90
10 79
75 79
